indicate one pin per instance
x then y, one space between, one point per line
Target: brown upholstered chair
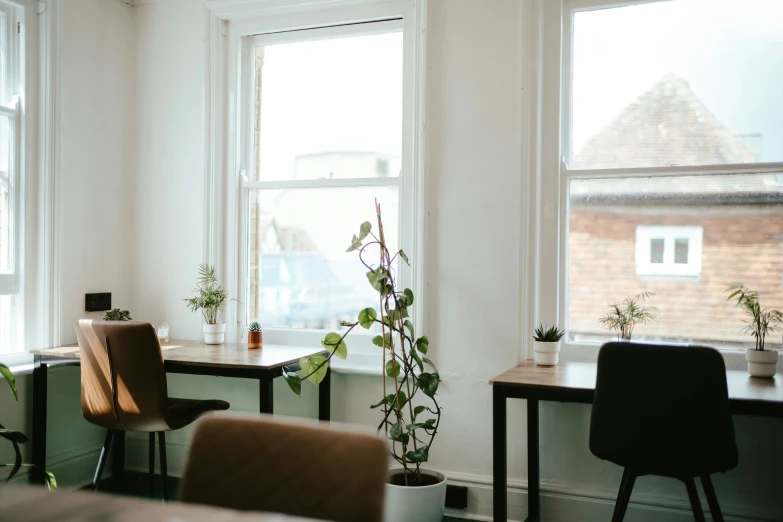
124 387
265 464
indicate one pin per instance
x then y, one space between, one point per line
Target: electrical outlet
456 497
97 302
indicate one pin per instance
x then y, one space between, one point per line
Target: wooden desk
575 382
190 357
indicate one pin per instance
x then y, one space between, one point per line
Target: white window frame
669 234
241 23
549 82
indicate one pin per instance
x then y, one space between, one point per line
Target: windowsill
20 363
358 364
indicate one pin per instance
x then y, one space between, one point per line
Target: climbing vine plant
410 410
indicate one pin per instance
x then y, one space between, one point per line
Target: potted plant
623 317
254 335
761 362
17 437
117 315
409 408
546 350
210 299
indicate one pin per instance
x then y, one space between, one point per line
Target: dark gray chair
663 410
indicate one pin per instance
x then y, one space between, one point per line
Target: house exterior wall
740 244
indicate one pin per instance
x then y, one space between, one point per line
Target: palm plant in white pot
409 408
761 361
210 300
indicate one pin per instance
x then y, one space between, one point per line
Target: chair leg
712 499
102 459
163 476
624 496
693 496
152 464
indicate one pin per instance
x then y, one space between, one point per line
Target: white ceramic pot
416 504
762 363
546 354
214 333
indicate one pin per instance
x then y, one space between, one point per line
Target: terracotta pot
255 340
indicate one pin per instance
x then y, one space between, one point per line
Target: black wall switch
456 497
97 302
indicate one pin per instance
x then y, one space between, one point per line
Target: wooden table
190 357
575 382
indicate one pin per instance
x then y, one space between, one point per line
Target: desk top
36 504
226 355
580 377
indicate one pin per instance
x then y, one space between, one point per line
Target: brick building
685 239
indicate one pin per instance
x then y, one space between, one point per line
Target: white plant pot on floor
416 504
214 333
546 354
762 363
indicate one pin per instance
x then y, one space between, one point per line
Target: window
669 163
10 176
328 136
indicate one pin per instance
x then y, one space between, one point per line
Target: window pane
329 108
682 82
656 251
299 273
681 251
5 196
734 233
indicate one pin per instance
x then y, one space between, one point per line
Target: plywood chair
261 463
663 410
124 387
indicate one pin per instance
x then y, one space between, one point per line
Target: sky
730 52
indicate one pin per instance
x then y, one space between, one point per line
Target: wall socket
97 302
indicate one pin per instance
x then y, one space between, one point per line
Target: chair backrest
662 410
123 377
261 463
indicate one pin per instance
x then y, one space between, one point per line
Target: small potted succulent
117 315
762 362
546 350
622 317
255 338
210 300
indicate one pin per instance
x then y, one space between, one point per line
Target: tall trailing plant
761 321
17 437
623 317
211 295
411 413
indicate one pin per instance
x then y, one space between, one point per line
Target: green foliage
761 321
543 334
404 363
255 326
17 437
622 317
117 315
211 296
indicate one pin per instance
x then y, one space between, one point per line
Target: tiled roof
665 126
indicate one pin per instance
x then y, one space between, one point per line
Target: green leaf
364 230
393 368
5 371
409 294
293 380
356 244
367 317
379 340
50 480
429 424
418 456
409 326
13 436
416 358
417 410
386 400
395 433
428 382
423 344
314 368
431 364
404 257
334 343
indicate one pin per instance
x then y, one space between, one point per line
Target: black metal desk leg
533 471
325 396
40 386
266 395
499 472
